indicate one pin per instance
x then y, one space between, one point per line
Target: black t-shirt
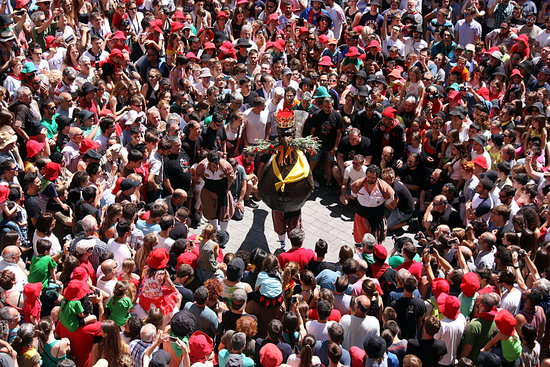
250 98
33 210
229 320
318 266
429 351
186 294
30 121
192 147
212 138
413 177
409 310
349 151
406 201
366 124
432 189
179 231
326 128
177 169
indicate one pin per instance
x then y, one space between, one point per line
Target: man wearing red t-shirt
299 255
414 267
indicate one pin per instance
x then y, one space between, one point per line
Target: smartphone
294 299
300 22
173 338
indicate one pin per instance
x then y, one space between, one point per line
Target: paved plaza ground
323 217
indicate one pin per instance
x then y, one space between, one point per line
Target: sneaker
251 204
316 183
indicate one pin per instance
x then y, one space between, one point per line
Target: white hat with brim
6 36
205 73
7 136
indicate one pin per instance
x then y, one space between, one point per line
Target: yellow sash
297 173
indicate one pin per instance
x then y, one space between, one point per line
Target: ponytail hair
306 355
44 328
24 338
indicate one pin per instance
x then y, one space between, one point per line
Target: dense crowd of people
124 124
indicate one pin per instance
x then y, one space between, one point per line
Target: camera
431 248
431 97
462 88
141 205
522 253
419 236
294 299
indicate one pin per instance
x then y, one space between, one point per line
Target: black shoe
251 204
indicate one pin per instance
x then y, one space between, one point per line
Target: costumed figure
286 181
217 202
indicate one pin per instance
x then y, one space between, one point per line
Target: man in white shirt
119 245
11 256
452 327
337 15
511 297
108 281
166 224
358 326
255 124
319 328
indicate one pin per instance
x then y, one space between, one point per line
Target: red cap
470 284
454 94
50 40
304 29
396 73
76 289
273 17
380 252
516 72
156 25
449 305
191 56
79 273
19 4
32 291
200 346
326 61
178 15
242 2
227 47
506 322
389 112
176 26
209 46
481 161
158 258
353 51
115 52
116 189
4 192
440 285
119 35
374 43
270 355
86 145
323 39
222 14
34 147
484 92
52 171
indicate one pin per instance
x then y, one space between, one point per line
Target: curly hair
248 325
7 279
214 287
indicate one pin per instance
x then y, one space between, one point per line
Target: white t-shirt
543 39
107 286
318 329
356 330
511 300
120 250
451 333
165 243
294 360
354 175
255 125
56 246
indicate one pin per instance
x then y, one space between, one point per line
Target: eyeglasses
311 38
132 8
37 53
427 79
40 20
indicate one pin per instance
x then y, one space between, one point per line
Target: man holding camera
440 212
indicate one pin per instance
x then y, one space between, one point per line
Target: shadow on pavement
255 236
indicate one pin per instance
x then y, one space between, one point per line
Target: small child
20 216
269 283
8 212
120 304
42 266
510 344
127 273
33 306
416 144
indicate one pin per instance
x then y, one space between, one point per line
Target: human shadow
255 236
332 203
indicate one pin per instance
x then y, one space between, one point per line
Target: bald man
359 326
11 260
440 212
71 151
176 201
65 105
108 281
